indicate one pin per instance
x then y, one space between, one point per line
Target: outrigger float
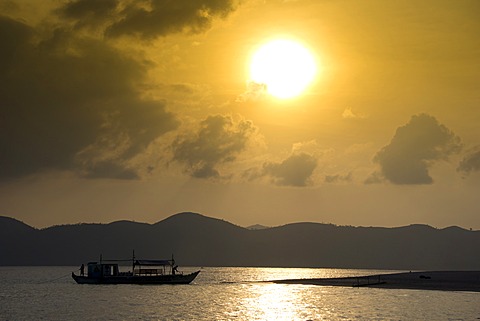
143 272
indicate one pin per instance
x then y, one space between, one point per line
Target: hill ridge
199 240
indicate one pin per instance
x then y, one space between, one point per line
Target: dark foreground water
48 293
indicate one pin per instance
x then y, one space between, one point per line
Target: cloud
146 19
64 94
471 162
309 147
348 113
296 170
73 100
218 140
89 13
374 178
122 138
151 19
413 149
338 178
255 91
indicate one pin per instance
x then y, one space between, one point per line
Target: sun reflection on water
276 302
247 294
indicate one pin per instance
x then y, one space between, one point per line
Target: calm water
48 293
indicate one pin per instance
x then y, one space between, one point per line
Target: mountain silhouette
198 240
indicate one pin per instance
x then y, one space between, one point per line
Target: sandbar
418 280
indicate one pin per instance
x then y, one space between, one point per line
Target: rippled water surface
48 293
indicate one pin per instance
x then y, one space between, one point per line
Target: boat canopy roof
153 262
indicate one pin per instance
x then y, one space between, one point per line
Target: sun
285 67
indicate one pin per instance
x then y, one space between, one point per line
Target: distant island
198 240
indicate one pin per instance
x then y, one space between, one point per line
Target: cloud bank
72 99
64 93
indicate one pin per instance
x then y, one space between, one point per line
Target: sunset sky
137 110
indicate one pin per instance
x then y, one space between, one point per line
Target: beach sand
426 280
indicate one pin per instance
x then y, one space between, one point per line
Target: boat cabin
140 268
102 269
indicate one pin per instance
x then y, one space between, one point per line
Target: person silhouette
82 269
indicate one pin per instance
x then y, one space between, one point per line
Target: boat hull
137 279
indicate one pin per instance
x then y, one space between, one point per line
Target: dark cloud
413 149
147 19
296 170
8 6
14 37
154 18
89 13
61 94
218 140
125 134
82 9
471 162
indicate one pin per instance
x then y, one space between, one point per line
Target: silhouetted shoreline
426 280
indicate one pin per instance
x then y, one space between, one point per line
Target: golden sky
137 110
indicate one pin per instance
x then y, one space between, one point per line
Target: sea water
230 293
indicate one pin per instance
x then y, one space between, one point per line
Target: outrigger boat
143 272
